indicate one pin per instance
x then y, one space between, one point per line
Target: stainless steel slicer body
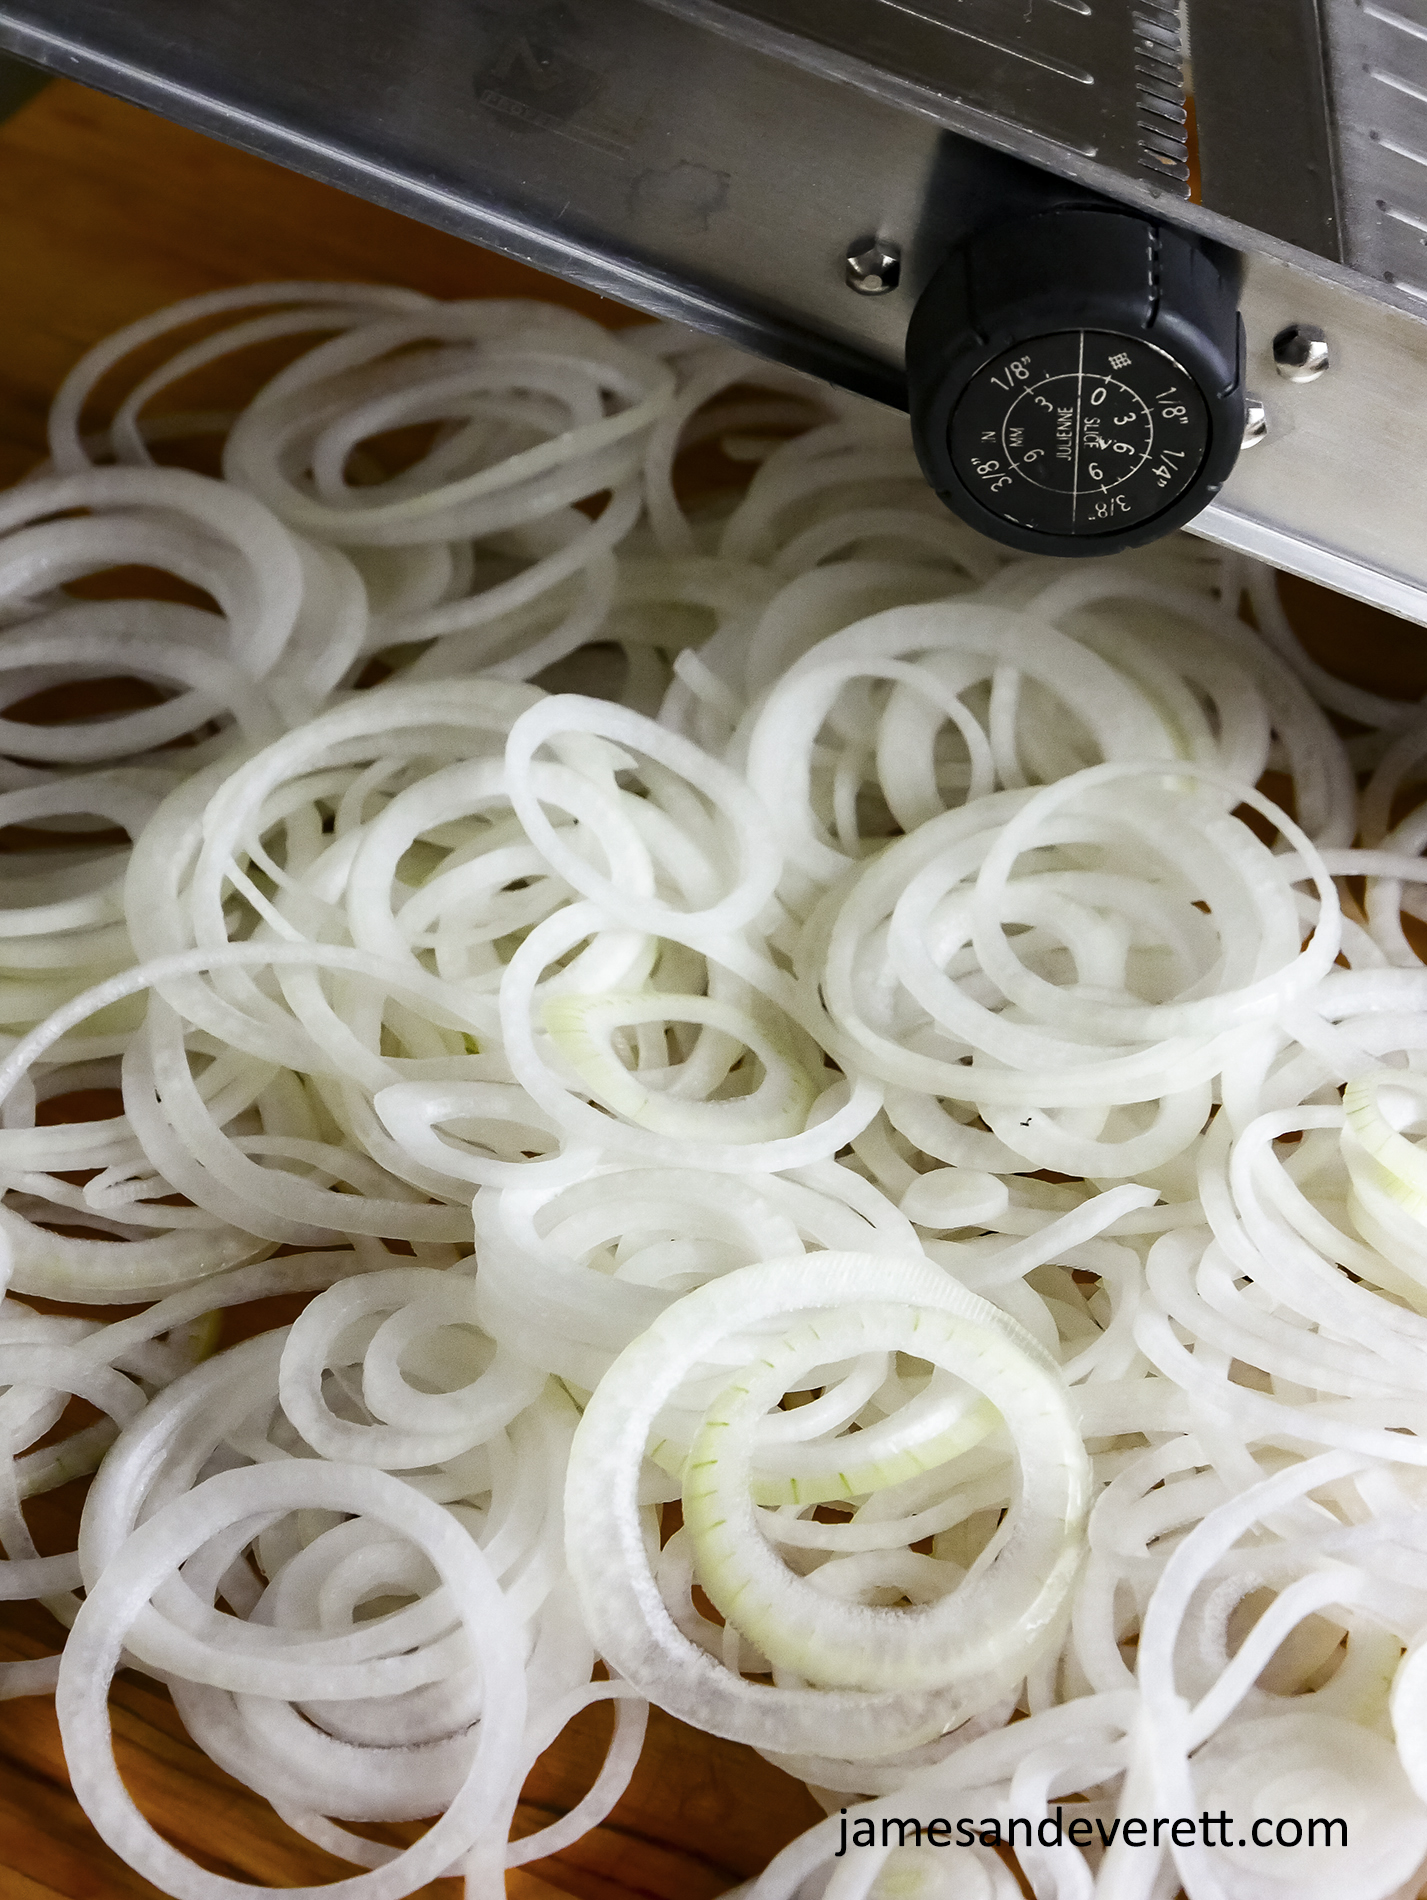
791 174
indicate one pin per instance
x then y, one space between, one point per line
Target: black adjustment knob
1077 379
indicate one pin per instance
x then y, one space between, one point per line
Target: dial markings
1080 432
1075 459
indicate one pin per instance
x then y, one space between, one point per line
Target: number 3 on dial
989 472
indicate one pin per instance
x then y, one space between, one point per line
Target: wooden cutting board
106 213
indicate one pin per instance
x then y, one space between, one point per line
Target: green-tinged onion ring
621 1602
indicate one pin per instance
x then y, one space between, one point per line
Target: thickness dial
1083 432
1075 378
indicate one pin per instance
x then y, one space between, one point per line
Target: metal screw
1300 352
873 266
1255 422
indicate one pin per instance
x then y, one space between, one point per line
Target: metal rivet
1255 422
873 266
1300 352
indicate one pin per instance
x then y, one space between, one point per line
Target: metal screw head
1255 422
1300 353
873 266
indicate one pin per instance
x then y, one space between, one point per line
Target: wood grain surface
107 213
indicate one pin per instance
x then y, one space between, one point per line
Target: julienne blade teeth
1160 95
767 1006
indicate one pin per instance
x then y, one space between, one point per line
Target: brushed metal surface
381 96
1096 78
1336 491
609 141
600 139
1261 106
1109 137
1059 69
1378 59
